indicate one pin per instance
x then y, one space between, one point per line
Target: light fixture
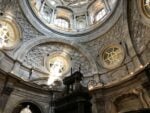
90 87
141 66
131 73
53 2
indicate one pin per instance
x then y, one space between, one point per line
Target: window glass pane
46 13
100 14
62 23
112 56
146 7
81 22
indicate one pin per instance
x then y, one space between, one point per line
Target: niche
128 102
27 107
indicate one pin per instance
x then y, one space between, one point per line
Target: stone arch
128 102
22 104
19 55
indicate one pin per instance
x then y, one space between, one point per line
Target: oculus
72 16
112 56
9 33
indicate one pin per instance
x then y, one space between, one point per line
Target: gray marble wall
14 91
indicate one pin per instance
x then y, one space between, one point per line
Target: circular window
9 33
58 64
112 56
146 7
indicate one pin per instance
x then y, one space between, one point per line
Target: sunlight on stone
56 70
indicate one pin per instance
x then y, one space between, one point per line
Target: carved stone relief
27 29
35 57
139 39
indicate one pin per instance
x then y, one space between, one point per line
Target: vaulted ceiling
39 46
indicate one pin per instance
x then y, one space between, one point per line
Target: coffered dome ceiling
68 17
42 41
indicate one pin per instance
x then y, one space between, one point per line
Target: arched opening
27 106
62 23
128 103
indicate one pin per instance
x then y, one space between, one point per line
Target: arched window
81 22
63 23
46 12
100 14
